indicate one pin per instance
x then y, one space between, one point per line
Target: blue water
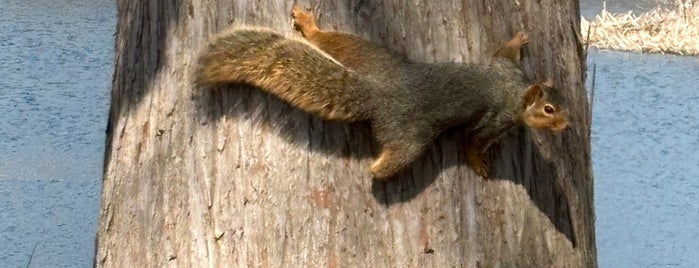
645 152
590 8
54 95
55 74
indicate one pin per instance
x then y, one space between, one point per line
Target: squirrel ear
548 83
533 94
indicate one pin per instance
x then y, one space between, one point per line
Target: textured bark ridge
233 177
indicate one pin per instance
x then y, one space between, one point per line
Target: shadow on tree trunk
350 140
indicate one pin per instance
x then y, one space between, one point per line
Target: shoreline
660 30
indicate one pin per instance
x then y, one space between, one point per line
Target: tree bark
235 177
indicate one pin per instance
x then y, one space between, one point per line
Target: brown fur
352 51
511 50
271 62
339 76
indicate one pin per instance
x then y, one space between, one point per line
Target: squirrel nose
559 126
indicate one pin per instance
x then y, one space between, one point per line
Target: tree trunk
236 177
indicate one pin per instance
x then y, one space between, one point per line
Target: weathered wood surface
235 177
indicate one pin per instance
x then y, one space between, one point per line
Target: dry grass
660 30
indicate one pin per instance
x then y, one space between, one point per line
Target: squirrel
340 76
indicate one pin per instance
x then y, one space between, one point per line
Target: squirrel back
352 51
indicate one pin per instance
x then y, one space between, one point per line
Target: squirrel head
543 107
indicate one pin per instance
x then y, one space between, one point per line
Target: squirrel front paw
475 160
304 21
520 39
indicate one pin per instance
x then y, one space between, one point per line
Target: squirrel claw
522 38
481 171
477 164
304 21
296 11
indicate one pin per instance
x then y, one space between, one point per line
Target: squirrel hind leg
304 22
394 158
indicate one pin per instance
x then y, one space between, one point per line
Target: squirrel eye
548 108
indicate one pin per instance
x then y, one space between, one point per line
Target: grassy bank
660 30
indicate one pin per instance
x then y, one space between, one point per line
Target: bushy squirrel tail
292 69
